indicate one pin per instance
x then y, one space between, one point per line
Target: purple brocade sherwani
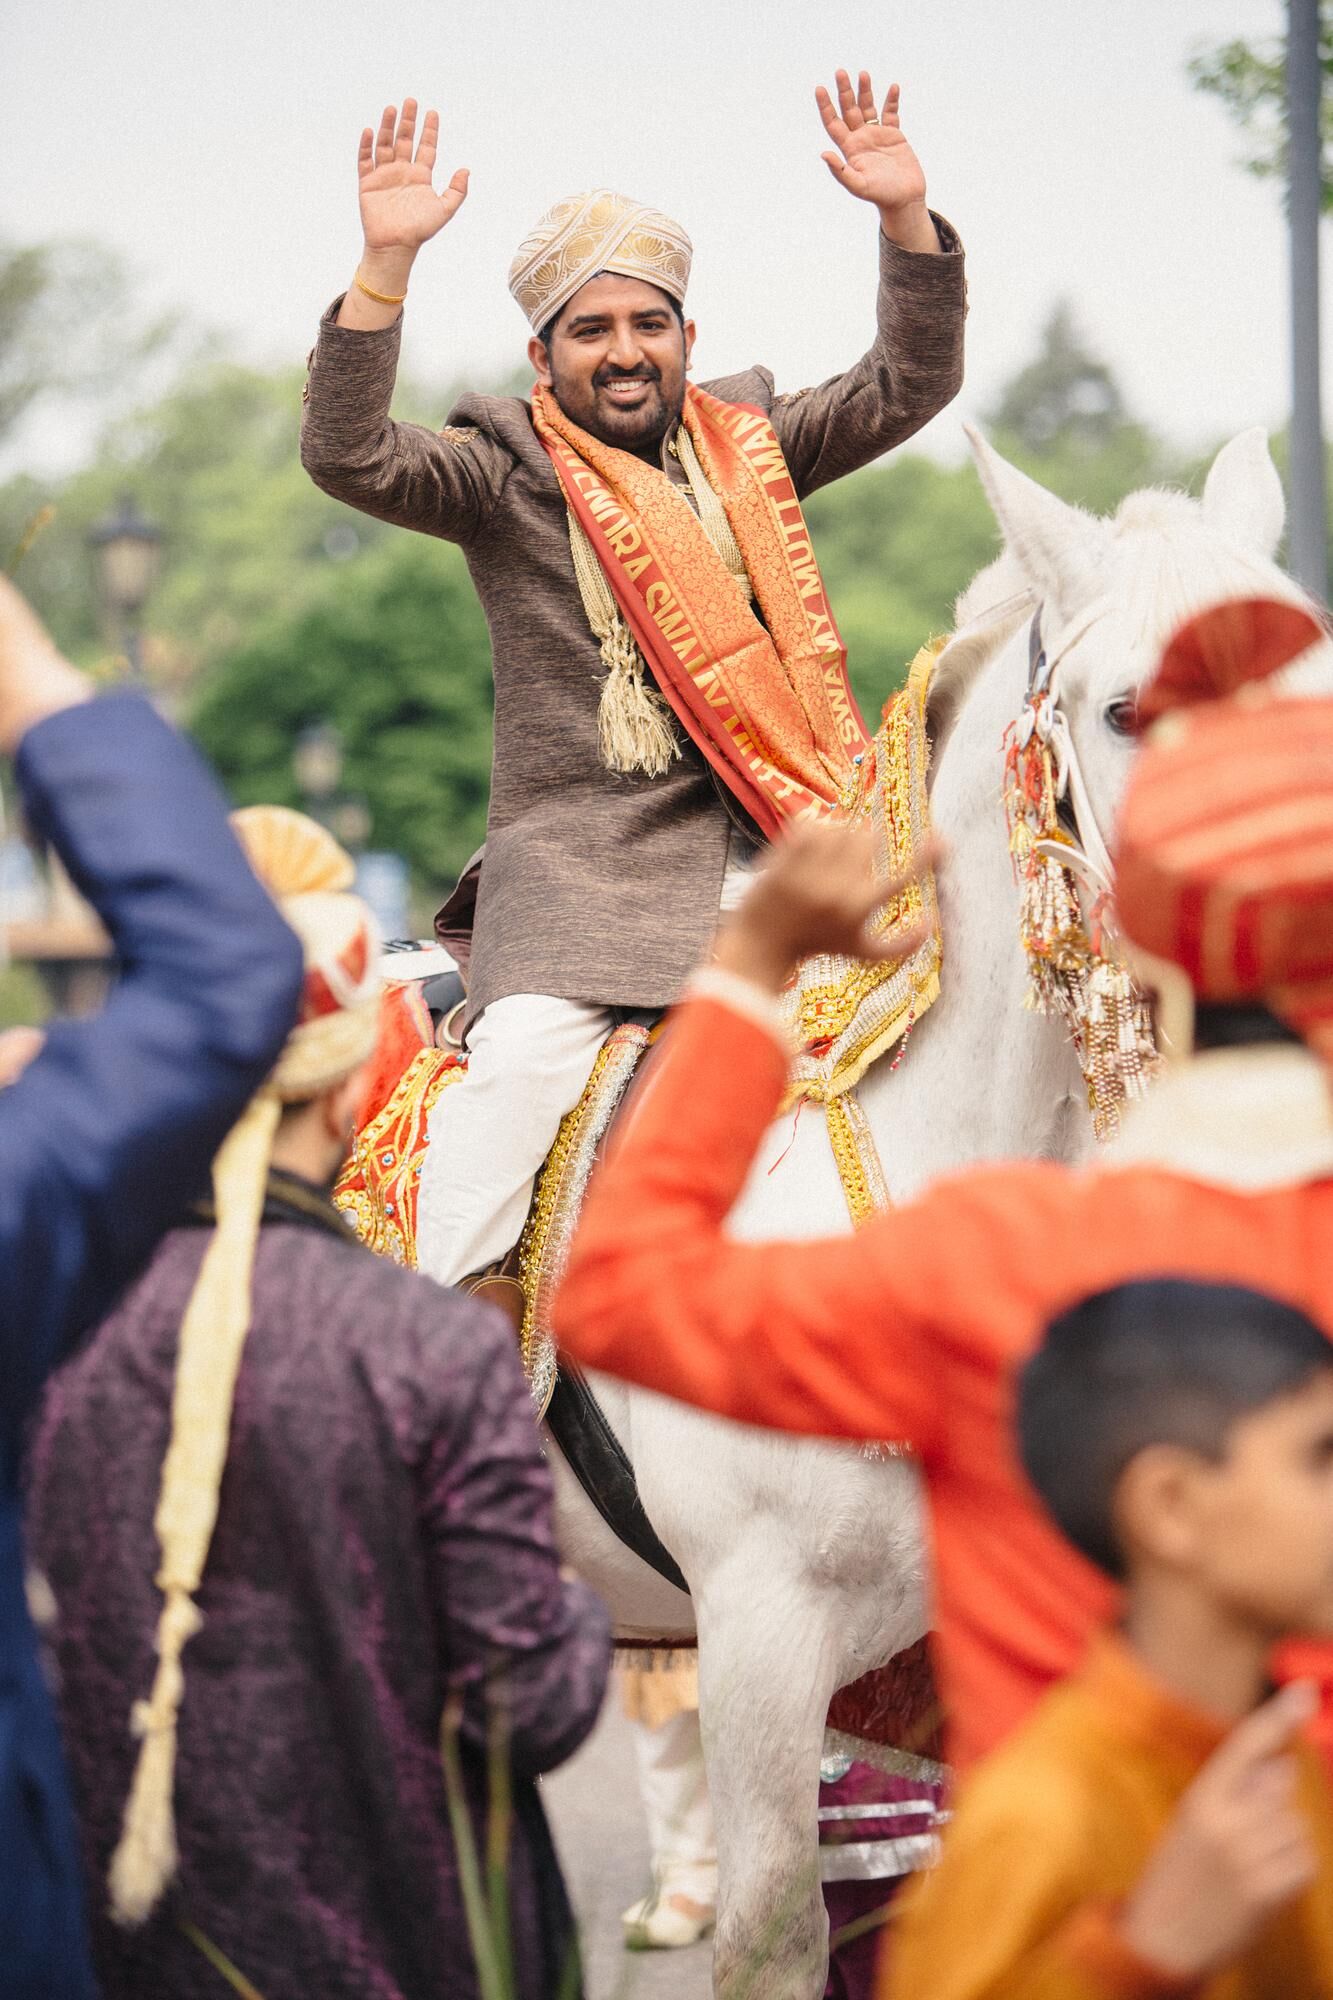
384 1535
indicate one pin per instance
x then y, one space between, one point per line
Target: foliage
899 541
1250 81
1066 395
896 544
67 325
392 648
24 1001
214 463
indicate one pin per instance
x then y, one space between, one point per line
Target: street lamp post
381 878
317 767
1308 541
128 549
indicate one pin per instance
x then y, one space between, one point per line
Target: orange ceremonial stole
771 709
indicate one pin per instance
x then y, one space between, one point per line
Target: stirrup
499 1285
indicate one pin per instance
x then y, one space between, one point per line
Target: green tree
1249 80
394 651
1065 398
68 326
896 544
214 461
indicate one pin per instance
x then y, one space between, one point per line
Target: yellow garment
1053 1831
656 1694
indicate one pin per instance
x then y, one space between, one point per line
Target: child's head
1189 1428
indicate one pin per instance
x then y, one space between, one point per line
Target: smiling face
616 362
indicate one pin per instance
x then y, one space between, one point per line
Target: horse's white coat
805 1559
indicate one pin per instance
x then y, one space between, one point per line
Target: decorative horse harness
1059 854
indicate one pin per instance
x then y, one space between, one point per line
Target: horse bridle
1085 849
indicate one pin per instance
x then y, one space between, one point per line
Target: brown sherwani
595 886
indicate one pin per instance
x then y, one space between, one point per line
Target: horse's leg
765 1678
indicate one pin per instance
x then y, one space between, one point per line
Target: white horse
804 1559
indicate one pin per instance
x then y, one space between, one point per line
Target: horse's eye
1122 715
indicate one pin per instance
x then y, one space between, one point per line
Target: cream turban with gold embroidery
587 233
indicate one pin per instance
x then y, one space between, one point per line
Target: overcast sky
215 147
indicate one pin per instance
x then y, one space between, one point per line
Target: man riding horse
670 685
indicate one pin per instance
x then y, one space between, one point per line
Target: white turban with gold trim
588 233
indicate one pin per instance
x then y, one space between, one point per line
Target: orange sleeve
852 1336
1084 1958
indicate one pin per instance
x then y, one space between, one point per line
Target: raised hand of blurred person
816 892
35 681
400 210
1237 1851
18 1048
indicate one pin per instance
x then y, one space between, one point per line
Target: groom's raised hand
874 162
400 210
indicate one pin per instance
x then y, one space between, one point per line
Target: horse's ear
1058 548
1242 495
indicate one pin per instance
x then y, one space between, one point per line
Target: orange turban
1225 852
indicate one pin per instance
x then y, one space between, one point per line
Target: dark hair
1162 1361
545 333
1220 1024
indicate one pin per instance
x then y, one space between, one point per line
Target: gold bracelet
380 298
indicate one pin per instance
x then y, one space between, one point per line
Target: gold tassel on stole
635 726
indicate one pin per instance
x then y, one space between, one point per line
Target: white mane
1169 560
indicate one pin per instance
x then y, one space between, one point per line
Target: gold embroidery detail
844 1013
544 1244
379 1186
857 1156
596 231
1074 974
461 433
635 725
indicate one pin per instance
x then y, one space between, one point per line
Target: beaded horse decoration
1066 923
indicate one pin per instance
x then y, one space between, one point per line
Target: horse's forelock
1167 563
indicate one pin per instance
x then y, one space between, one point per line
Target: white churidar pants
676 1805
529 1060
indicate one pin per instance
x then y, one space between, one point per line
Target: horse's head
1109 593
